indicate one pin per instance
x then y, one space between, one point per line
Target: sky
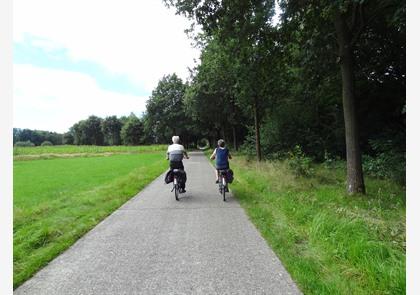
73 59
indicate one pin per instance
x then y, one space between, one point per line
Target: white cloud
140 38
54 100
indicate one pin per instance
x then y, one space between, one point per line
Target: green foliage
24 143
165 114
111 128
132 131
388 161
36 136
49 216
68 138
299 163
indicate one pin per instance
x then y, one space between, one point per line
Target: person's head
175 139
221 143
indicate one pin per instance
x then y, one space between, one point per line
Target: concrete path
156 245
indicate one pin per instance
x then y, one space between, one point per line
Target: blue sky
78 58
27 52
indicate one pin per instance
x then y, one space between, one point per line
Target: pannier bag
169 177
229 176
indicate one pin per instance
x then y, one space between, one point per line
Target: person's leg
181 167
217 176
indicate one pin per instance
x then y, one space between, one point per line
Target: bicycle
223 186
176 187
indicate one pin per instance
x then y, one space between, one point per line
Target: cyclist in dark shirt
222 156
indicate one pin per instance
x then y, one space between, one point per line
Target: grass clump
57 201
330 243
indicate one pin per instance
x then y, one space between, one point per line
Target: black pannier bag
182 177
169 177
229 176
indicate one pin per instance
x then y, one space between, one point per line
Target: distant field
89 149
56 201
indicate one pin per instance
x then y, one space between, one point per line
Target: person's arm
213 156
167 154
185 152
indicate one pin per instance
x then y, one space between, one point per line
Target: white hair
175 139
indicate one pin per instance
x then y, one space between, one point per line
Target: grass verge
57 201
329 242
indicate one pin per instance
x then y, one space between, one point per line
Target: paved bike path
156 245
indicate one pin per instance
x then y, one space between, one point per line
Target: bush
299 163
389 161
24 143
46 143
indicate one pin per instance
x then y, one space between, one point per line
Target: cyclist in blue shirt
222 156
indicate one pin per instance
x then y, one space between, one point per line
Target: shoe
217 181
183 191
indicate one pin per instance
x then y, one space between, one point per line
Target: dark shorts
225 167
176 165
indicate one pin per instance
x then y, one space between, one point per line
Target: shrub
24 143
299 163
46 143
389 161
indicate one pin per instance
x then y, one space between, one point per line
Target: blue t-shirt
222 158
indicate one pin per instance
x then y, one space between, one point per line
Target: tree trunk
223 132
355 183
257 130
235 145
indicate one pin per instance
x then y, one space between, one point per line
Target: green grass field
80 150
56 201
330 243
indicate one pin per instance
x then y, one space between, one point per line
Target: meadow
57 199
23 153
330 242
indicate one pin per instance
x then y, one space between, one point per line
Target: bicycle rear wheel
224 194
176 192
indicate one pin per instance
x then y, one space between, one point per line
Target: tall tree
132 131
351 22
243 27
111 128
165 115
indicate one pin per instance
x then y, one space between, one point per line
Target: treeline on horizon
327 81
112 130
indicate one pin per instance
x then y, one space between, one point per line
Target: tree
165 115
111 128
350 21
243 27
68 138
132 131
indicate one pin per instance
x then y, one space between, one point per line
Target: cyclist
222 156
175 154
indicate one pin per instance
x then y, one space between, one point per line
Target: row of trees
37 137
109 131
328 76
127 130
